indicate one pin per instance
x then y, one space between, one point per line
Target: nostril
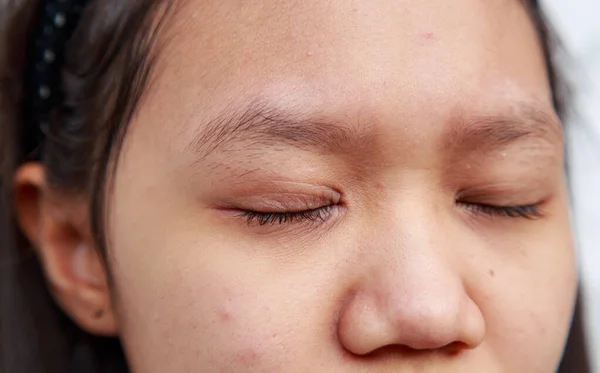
451 350
455 348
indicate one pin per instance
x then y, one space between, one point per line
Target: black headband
55 24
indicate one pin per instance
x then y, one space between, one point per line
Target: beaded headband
55 25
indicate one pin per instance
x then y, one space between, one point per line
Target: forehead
388 59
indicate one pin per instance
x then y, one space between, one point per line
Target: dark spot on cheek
492 273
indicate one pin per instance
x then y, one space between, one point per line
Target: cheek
206 318
529 302
227 322
205 304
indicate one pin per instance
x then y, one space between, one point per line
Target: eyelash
323 213
529 212
264 218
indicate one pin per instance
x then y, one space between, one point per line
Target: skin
405 272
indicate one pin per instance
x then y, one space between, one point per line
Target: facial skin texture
411 116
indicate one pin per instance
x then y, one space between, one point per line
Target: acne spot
309 53
248 357
428 35
225 316
492 273
224 312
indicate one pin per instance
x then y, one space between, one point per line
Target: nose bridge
417 281
414 234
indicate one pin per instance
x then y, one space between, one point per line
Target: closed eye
530 212
287 217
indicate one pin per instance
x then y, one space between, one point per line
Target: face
333 186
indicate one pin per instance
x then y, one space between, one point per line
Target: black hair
106 69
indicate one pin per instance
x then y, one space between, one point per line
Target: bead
49 56
59 20
44 92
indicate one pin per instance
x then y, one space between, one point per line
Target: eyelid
283 201
505 195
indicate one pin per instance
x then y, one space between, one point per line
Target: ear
58 226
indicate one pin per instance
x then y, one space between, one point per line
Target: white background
578 22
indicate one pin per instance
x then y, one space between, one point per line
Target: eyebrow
259 124
493 132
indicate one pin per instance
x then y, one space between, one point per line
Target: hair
107 69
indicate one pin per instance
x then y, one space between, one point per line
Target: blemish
492 273
248 356
428 35
225 316
309 53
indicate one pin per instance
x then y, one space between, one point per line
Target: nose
410 295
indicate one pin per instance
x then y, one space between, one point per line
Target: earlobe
88 297
57 225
